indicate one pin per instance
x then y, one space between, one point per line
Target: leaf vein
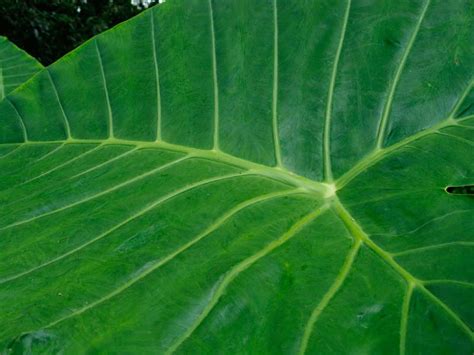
379 154
393 87
328 115
53 169
452 136
165 260
276 138
214 78
328 296
148 208
157 79
430 247
66 121
106 91
456 282
461 99
357 231
232 274
51 152
20 118
111 160
404 317
102 193
11 151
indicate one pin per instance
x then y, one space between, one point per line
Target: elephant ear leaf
240 176
16 67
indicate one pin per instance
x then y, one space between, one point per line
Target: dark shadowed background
48 29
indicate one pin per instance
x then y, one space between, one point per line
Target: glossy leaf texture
241 176
16 67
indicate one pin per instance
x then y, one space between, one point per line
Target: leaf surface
16 67
243 176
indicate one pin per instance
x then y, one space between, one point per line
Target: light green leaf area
16 67
240 176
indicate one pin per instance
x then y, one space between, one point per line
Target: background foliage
48 29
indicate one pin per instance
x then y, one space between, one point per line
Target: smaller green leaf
16 67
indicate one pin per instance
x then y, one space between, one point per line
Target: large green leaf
241 176
16 67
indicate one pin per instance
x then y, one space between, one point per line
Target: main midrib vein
279 174
308 185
